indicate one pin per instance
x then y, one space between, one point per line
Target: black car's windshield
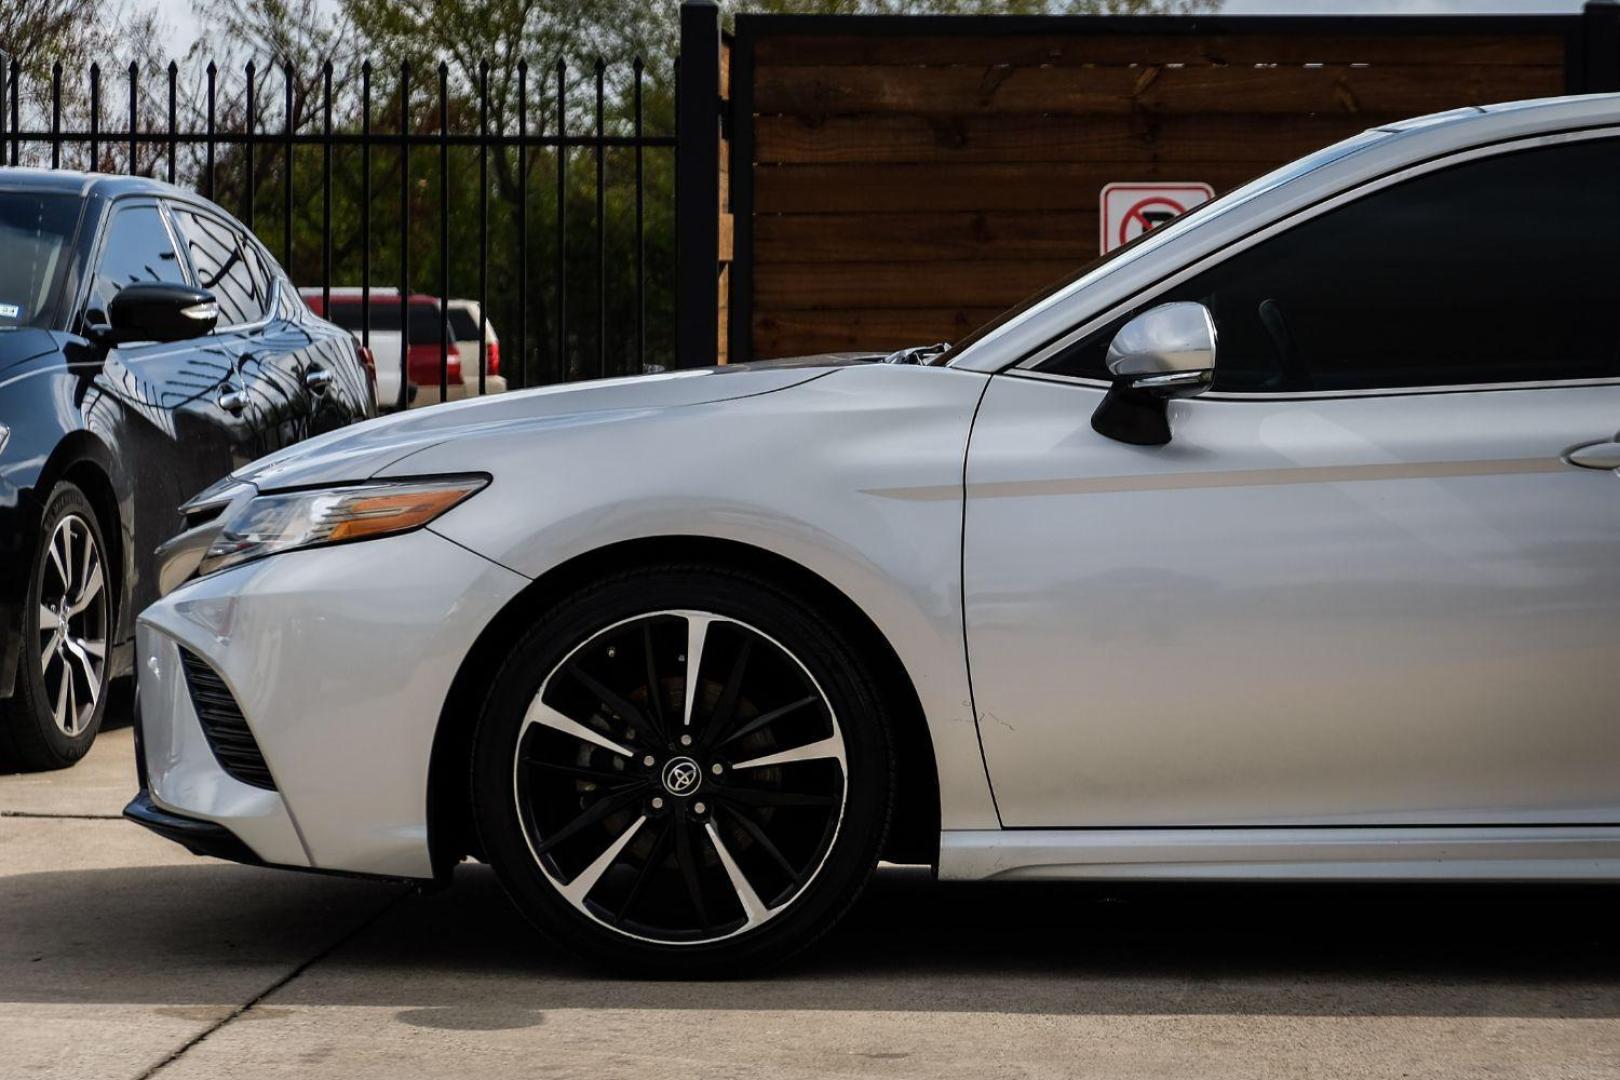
36 234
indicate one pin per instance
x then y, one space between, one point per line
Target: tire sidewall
835 667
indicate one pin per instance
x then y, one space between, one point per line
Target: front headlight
287 520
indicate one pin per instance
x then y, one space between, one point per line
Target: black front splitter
211 839
195 835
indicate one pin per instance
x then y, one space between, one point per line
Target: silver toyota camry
1283 543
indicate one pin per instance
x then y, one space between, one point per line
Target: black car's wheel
684 771
54 714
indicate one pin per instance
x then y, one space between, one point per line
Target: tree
47 41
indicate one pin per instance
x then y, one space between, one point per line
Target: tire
61 694
683 834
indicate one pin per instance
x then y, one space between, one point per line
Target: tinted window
136 248
385 317
227 266
463 327
1498 270
35 231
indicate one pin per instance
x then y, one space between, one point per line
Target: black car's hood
17 346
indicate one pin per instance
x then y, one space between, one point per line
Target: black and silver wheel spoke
686 855
697 635
620 705
546 716
754 909
683 774
73 624
829 748
655 696
766 719
597 811
655 857
580 885
766 844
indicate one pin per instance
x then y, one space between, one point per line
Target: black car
149 345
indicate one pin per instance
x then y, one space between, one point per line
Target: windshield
1273 179
36 232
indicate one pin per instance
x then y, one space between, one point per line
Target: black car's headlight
289 520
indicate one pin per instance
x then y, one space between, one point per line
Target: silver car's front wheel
679 777
682 779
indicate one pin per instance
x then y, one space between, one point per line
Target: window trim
116 206
243 236
1028 366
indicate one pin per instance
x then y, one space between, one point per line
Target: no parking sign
1131 209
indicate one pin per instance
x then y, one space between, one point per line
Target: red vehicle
424 355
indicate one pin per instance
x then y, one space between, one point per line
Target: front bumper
340 660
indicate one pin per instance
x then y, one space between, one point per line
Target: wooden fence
898 180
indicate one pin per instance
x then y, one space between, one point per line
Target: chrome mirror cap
1167 351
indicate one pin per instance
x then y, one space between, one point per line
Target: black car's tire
730 827
48 723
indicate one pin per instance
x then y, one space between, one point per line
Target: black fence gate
546 193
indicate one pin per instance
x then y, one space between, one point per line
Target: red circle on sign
1135 213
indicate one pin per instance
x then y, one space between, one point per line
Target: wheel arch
914 831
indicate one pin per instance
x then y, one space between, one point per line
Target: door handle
317 379
1598 455
234 402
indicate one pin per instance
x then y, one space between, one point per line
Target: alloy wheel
73 620
680 777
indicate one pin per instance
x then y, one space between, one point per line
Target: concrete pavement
123 956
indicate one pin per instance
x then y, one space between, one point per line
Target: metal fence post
697 187
1600 37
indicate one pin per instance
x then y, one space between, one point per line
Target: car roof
72 182
1488 123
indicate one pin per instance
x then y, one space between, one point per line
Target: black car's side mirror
159 311
1165 352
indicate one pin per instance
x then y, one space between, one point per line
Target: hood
23 344
360 451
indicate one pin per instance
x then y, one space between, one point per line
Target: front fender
856 476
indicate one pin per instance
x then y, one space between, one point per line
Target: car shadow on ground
911 944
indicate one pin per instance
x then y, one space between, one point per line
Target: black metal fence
345 176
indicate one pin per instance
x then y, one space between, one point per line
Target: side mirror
1165 352
159 311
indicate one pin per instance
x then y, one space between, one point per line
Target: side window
1491 271
137 247
227 266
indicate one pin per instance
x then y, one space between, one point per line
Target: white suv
464 318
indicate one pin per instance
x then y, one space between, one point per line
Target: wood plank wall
908 188
727 229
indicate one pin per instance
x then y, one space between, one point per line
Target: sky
183 20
